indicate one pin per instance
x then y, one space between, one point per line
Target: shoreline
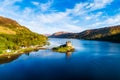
22 51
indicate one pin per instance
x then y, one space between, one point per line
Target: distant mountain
13 35
47 35
104 34
61 34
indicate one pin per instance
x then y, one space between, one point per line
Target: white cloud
98 4
43 6
93 16
84 8
73 20
114 20
6 4
110 21
35 3
54 17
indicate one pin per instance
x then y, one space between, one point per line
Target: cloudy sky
49 16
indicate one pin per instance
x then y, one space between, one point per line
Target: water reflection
10 58
49 53
27 54
68 54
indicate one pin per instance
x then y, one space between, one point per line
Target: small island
68 47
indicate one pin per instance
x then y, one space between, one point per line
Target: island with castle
68 47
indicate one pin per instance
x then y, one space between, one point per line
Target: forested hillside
14 36
107 34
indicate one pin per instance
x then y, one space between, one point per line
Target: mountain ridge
104 34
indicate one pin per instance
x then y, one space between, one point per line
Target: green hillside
13 36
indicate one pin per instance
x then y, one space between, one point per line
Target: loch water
92 60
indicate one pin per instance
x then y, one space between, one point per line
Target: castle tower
68 43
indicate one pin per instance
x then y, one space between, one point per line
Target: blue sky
49 16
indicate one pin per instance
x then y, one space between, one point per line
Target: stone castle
69 44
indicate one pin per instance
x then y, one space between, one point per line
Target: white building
8 50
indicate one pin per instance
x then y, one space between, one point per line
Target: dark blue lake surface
92 60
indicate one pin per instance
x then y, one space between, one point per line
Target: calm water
92 60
